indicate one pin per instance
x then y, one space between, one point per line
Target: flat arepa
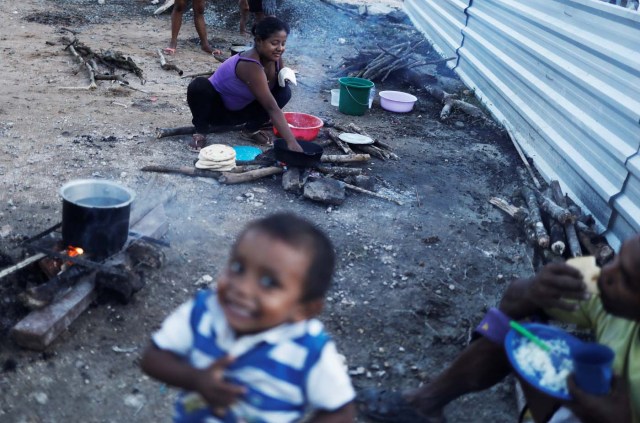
217 167
590 271
217 153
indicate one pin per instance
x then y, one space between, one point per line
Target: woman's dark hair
299 233
268 26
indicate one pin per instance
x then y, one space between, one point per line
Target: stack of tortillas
218 157
590 271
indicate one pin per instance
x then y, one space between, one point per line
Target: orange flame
74 251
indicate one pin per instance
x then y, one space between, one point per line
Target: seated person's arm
553 287
255 78
344 414
612 408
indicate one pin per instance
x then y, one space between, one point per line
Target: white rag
286 74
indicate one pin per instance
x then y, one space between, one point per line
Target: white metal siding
564 77
441 22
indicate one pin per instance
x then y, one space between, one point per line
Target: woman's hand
614 407
218 393
294 146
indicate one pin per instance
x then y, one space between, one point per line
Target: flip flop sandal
170 51
389 406
259 137
197 143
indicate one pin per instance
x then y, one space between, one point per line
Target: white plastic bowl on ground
397 101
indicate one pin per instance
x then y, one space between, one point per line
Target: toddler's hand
218 393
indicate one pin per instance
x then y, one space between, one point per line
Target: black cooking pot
309 158
95 216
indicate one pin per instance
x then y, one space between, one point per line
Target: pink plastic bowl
303 126
397 101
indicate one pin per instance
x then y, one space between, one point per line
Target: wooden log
595 243
339 171
535 220
182 170
556 236
347 158
333 135
168 66
373 151
561 214
190 130
252 175
167 4
518 213
569 229
195 75
24 263
41 327
374 194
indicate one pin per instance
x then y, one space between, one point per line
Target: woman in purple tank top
246 89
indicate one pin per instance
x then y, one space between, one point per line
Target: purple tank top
235 93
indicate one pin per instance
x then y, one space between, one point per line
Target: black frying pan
310 157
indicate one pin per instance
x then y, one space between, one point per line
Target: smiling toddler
251 350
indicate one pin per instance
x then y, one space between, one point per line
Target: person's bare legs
176 23
244 15
480 366
201 27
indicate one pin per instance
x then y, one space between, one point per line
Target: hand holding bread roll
590 272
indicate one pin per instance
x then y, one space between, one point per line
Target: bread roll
590 272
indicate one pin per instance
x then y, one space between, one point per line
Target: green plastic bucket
354 95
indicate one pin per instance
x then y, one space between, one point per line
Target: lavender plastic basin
397 101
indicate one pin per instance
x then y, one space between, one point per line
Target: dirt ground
412 280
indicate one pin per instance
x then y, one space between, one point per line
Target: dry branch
347 158
194 75
252 175
336 139
168 66
535 220
569 229
518 213
558 213
24 263
374 194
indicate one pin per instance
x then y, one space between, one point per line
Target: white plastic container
335 97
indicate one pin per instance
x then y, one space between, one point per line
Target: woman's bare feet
207 48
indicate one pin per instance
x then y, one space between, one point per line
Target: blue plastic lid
246 152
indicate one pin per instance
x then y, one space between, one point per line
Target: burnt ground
412 280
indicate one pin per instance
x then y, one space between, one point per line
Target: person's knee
198 85
283 96
179 6
198 7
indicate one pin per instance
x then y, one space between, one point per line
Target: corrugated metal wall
564 77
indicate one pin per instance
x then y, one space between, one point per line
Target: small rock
134 400
100 1
291 180
5 231
207 278
452 287
325 190
41 398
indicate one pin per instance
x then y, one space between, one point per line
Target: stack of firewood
556 226
376 64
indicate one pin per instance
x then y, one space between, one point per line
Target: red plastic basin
304 127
